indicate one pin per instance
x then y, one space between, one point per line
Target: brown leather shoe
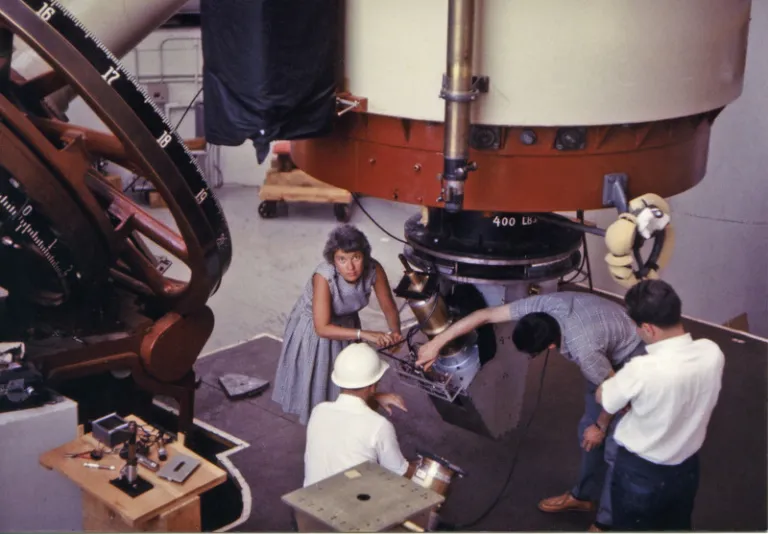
594 528
565 503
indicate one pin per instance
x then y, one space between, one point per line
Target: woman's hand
387 400
428 353
380 339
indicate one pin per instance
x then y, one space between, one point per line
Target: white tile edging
245 489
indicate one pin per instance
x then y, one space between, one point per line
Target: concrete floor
274 258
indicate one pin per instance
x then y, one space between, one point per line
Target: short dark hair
654 302
347 238
535 332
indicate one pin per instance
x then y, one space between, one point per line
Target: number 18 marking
164 139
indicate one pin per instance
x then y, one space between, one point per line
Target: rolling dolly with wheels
284 182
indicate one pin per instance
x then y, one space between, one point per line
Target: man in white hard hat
348 431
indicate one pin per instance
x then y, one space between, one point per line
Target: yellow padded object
623 275
649 199
618 261
620 236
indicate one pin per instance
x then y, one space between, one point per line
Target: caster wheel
341 211
268 209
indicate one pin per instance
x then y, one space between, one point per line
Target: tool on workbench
92 465
113 430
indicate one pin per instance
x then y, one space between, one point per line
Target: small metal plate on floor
179 468
365 498
238 386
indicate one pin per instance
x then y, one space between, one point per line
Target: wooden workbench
167 507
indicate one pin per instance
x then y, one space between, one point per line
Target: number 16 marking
46 12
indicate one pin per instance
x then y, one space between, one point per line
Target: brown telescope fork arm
204 240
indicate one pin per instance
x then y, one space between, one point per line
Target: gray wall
720 263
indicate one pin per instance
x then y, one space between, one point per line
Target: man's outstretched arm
429 351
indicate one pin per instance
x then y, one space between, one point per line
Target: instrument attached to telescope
459 360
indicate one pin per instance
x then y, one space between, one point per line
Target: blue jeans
648 496
596 468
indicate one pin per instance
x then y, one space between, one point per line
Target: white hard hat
358 366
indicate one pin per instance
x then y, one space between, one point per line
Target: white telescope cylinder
120 25
553 62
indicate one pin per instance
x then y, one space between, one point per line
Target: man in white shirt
670 394
348 431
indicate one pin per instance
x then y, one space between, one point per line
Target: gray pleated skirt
303 378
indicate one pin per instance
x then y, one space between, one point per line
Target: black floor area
732 495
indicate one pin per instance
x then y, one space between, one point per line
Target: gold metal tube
432 314
461 23
457 92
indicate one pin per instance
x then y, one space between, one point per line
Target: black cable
578 271
183 115
584 260
357 201
191 102
589 265
130 186
512 466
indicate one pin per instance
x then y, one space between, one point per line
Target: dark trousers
596 469
648 496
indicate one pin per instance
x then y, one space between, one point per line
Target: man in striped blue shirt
598 336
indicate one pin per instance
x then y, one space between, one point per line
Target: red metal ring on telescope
399 159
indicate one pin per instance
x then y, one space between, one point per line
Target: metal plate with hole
179 468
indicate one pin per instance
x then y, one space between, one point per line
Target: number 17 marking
111 75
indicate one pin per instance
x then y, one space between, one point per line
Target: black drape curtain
270 69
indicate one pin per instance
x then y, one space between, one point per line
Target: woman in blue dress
325 320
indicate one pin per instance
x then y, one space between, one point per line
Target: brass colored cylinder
461 22
433 322
457 90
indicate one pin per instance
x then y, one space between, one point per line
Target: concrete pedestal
34 498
